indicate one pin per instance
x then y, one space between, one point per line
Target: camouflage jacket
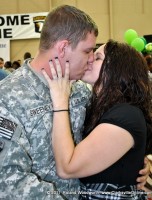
27 165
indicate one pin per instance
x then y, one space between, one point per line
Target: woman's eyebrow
99 54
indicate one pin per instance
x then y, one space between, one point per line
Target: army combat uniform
27 164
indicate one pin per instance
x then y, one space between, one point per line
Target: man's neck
40 61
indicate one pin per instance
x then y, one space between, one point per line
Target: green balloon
148 47
130 35
144 40
138 44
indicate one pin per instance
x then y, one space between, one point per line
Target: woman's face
92 73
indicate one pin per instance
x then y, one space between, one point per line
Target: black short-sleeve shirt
125 170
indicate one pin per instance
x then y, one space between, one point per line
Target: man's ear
62 47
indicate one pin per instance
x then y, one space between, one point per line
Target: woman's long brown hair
123 78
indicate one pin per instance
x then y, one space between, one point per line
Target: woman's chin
87 80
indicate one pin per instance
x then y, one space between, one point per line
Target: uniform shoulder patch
9 131
7 128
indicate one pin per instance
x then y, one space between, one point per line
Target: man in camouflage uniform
27 165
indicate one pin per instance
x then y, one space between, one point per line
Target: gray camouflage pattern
27 165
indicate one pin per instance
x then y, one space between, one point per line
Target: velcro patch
7 128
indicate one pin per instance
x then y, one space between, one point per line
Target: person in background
8 67
148 185
27 55
1 63
3 74
26 110
118 127
16 65
148 58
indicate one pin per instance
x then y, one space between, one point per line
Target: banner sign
21 26
5 50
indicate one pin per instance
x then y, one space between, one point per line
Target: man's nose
91 58
90 61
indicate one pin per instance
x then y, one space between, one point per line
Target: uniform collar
37 83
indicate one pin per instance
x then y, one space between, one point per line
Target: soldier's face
81 57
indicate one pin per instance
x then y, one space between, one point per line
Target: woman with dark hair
118 126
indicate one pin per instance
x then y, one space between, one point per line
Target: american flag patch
7 128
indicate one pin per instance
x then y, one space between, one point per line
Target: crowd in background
7 67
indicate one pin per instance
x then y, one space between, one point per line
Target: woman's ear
63 45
